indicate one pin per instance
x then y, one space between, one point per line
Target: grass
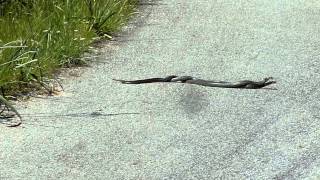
39 36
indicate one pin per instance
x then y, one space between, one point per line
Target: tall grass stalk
39 36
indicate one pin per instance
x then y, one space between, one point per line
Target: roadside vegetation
39 36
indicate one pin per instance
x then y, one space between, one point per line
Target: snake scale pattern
244 84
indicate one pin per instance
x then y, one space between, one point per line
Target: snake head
269 80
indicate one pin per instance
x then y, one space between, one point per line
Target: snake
244 84
150 80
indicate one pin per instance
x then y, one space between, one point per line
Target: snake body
245 84
150 80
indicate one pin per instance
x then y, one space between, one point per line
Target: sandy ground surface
101 129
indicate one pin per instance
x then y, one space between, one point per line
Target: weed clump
38 36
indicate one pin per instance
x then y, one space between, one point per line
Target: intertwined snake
245 84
